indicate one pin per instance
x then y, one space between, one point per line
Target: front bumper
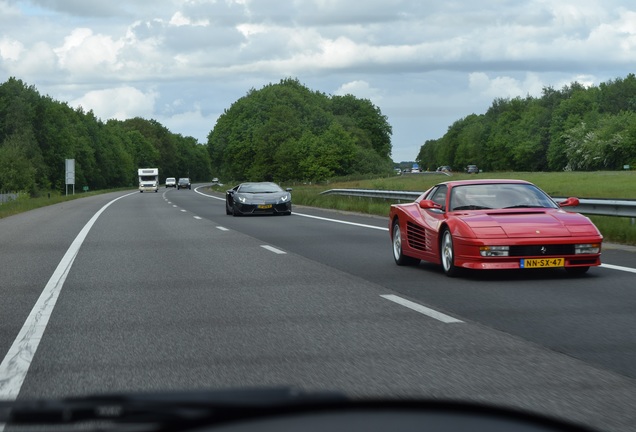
467 255
267 208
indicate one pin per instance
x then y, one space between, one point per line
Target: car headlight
494 251
284 198
242 199
587 248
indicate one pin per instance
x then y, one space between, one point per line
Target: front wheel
398 254
235 211
447 254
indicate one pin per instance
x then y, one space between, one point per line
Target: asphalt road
167 292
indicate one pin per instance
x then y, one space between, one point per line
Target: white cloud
179 20
10 49
505 86
118 103
362 90
85 52
424 63
190 123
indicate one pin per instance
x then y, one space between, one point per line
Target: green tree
17 173
285 131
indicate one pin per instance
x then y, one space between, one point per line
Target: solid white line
273 249
222 228
422 309
615 267
14 367
207 195
312 217
343 222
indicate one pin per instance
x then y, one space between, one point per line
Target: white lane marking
273 249
174 205
422 309
615 267
183 210
16 363
343 222
222 228
198 217
207 195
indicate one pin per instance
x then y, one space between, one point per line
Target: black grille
416 236
539 250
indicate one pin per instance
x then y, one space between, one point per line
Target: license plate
264 206
542 262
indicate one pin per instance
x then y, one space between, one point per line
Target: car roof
453 183
255 183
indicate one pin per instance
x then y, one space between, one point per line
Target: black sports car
258 198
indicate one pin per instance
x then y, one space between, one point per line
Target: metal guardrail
6 197
601 207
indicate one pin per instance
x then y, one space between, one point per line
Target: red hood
525 224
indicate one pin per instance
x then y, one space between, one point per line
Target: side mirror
570 202
428 204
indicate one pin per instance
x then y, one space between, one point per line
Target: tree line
575 128
38 133
281 132
285 131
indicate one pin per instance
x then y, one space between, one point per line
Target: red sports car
493 224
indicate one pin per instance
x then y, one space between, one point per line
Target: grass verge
614 184
25 203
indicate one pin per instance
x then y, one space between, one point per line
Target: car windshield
498 196
259 188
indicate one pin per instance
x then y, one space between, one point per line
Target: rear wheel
398 254
447 254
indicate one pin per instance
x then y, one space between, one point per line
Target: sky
424 63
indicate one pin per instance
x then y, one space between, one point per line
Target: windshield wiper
160 410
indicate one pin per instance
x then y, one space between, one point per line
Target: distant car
258 198
215 180
472 169
171 182
493 224
444 168
184 183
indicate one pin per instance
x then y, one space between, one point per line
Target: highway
164 291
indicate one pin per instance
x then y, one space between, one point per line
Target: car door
433 219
